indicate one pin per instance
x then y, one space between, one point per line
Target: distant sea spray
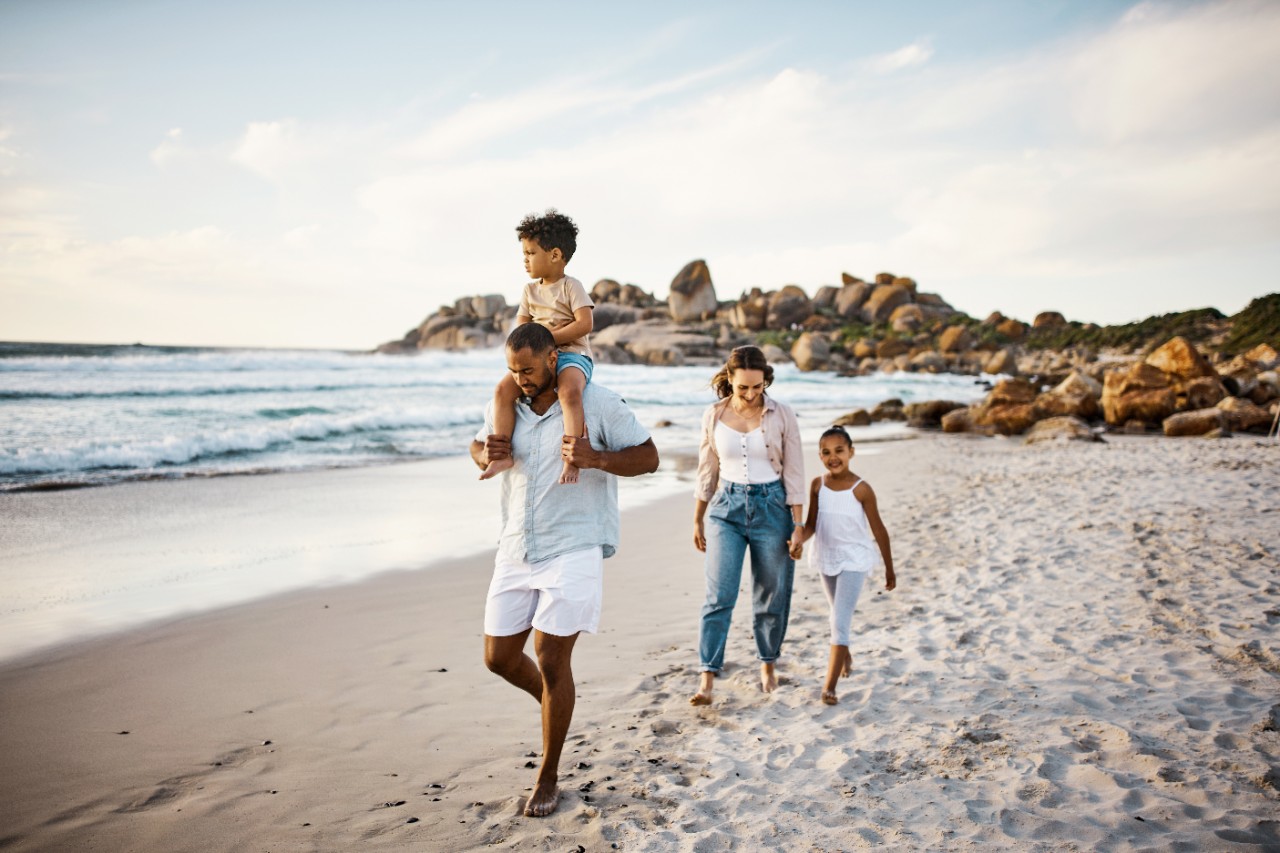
90 415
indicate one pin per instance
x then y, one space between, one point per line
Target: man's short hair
551 230
531 336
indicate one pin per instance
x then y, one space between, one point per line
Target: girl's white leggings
842 594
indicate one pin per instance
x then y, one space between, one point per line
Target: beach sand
1081 654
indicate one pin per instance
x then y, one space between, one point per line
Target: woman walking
749 497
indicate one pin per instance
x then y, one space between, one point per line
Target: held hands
795 545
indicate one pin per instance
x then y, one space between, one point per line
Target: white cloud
169 148
917 53
273 149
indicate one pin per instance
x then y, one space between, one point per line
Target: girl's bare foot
705 683
568 474
542 801
829 697
496 467
768 678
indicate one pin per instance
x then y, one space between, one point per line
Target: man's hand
579 453
496 448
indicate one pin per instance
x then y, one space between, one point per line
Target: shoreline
1082 651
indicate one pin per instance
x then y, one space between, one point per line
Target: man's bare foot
542 801
568 474
496 467
829 697
768 678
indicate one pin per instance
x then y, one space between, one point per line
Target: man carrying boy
548 571
560 303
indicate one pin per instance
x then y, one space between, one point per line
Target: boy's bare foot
768 678
829 697
542 801
496 467
568 474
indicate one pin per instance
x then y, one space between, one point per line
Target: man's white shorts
559 596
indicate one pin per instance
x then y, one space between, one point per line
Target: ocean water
74 416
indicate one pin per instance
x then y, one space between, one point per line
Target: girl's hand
699 539
890 579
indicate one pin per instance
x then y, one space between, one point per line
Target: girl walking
844 520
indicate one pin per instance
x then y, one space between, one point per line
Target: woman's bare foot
705 683
568 474
768 678
496 467
829 697
542 801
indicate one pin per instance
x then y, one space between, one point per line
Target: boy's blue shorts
573 359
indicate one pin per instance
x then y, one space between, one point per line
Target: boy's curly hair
551 230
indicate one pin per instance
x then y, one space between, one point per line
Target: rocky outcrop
1178 358
883 300
858 417
471 322
659 343
1048 320
789 307
1076 396
693 296
1140 392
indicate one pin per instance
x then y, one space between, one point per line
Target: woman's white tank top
744 458
843 540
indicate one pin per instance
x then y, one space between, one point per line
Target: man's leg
558 695
505 656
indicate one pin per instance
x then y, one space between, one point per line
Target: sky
325 174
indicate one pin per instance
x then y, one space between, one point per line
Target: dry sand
1081 655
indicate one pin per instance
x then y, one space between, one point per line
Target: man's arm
627 462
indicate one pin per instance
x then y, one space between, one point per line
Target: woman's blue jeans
741 518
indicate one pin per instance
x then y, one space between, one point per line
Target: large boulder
892 348
850 298
858 417
488 306
1001 361
811 352
608 314
775 354
889 410
1139 392
906 318
885 278
1267 388
751 311
1179 357
605 290
693 296
1060 429
928 361
1201 393
1264 356
1048 320
1077 396
826 296
1198 422
929 414
880 304
955 339
1244 415
959 420
789 307
864 348
1012 329
1008 409
846 278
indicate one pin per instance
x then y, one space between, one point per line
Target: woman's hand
699 538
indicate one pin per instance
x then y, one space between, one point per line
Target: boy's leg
504 421
569 387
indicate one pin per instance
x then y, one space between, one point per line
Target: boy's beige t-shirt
552 305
